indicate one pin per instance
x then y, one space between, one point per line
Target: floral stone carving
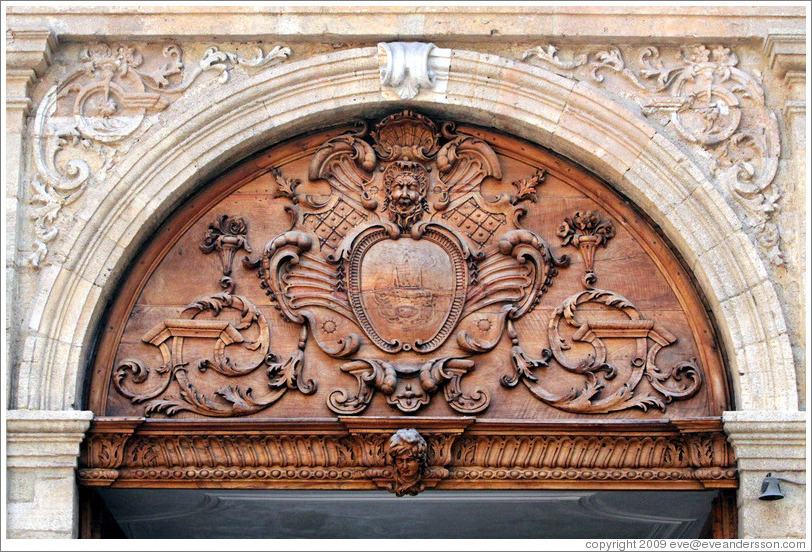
711 104
406 273
84 123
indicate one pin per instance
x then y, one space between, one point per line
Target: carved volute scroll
410 265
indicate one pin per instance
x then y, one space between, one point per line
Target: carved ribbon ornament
407 273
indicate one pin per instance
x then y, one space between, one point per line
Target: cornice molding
30 49
425 23
773 436
786 52
29 53
352 452
45 439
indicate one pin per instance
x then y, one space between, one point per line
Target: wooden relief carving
408 265
586 231
444 453
226 236
403 257
407 450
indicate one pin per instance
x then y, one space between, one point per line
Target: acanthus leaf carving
407 273
403 460
409 387
84 124
465 161
711 104
526 188
130 377
218 60
597 368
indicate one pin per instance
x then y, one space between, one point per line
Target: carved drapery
408 274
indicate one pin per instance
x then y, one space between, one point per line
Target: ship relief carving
406 273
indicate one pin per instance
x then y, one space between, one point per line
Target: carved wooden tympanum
408 266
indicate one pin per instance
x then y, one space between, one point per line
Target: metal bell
770 489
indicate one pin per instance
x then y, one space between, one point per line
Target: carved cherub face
407 449
408 466
406 185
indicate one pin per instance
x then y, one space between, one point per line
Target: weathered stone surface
770 442
41 454
333 75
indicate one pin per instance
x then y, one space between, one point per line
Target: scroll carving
405 67
140 383
709 102
406 273
395 261
83 124
586 231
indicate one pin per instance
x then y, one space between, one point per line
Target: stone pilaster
785 54
766 442
28 55
42 449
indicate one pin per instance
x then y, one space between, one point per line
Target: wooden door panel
407 273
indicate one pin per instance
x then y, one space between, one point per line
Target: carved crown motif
407 273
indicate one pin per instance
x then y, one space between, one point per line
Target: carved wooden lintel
460 453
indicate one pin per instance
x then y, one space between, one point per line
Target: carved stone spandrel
701 95
86 122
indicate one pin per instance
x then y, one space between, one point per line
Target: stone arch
197 140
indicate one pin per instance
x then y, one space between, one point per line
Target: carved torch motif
407 273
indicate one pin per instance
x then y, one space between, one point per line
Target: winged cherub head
406 187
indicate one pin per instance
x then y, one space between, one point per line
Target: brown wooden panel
363 452
408 267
